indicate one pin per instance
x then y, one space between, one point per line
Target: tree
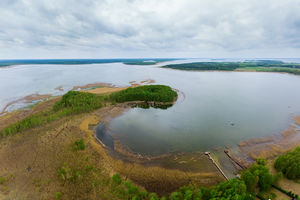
250 180
289 164
258 175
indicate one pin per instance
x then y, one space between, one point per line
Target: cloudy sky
149 28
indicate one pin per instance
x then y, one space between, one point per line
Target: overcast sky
149 28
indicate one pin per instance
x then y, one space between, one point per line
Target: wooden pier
208 154
233 160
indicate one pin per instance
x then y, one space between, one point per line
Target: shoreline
181 161
163 170
236 70
25 100
268 147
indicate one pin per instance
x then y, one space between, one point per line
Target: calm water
220 108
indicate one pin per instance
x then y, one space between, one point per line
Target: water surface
220 108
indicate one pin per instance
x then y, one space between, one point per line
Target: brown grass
91 85
268 147
105 90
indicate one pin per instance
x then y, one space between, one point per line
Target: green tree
250 180
289 164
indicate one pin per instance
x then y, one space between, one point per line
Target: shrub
261 161
2 180
289 164
117 179
58 195
79 145
258 175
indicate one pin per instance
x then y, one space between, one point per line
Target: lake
217 108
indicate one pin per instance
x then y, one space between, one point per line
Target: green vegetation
258 176
58 195
232 189
260 65
226 66
289 164
117 179
78 102
275 69
2 180
157 93
78 145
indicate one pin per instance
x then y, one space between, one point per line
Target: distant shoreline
247 66
8 63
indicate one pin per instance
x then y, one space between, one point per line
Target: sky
37 29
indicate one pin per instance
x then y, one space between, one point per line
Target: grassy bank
262 66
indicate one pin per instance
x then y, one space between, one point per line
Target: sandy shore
91 85
105 90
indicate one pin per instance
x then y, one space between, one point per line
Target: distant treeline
77 61
267 66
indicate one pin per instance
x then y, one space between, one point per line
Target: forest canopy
157 93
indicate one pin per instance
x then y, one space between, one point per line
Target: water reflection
103 135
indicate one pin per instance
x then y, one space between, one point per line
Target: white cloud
143 28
